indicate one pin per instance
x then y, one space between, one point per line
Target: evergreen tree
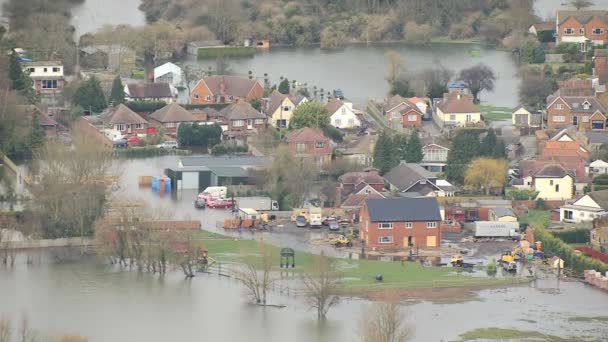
384 156
488 144
21 80
284 86
413 152
36 136
89 95
500 150
399 143
465 147
118 93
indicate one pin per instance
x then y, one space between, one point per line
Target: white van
214 192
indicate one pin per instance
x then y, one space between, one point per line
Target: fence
592 253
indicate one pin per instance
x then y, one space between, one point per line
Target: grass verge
535 218
500 334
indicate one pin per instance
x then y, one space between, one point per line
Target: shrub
540 204
491 267
578 235
521 195
333 134
567 48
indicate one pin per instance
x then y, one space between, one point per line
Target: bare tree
477 78
6 330
579 4
395 65
256 276
385 321
191 75
321 284
534 88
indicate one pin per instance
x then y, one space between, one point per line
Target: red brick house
243 117
355 187
600 62
400 223
225 89
582 27
398 108
171 116
124 120
310 142
580 111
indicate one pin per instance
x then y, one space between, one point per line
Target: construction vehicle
511 256
458 261
342 240
510 266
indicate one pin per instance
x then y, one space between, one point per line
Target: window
230 97
351 122
45 69
586 105
581 31
139 126
559 118
196 96
207 98
49 84
453 117
385 239
31 69
120 127
55 69
258 122
337 122
559 106
412 117
343 111
597 31
551 182
300 147
238 123
320 144
409 225
286 108
431 225
569 31
568 215
170 124
585 119
385 225
556 187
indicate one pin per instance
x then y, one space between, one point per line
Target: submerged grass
588 319
501 334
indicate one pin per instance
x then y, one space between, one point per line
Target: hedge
146 106
148 151
221 149
578 235
216 106
233 51
552 246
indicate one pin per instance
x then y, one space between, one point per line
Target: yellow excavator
511 256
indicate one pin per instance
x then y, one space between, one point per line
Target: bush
601 180
578 235
521 195
532 53
228 149
567 48
147 152
491 267
333 134
231 51
205 136
540 204
146 106
545 36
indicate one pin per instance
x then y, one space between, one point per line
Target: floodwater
93 14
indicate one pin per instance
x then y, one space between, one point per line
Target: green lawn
493 113
535 217
500 334
359 275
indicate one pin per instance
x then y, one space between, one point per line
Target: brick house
404 111
582 27
310 142
400 223
353 187
171 116
124 120
600 62
586 112
242 117
225 89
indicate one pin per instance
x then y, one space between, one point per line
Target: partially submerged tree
486 174
322 284
255 274
534 88
478 78
395 66
385 321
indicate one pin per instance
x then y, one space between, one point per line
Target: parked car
199 203
168 144
120 143
301 221
219 203
333 225
133 140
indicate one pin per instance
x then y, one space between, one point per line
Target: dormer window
586 105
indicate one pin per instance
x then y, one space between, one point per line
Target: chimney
222 87
458 96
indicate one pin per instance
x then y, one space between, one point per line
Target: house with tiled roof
585 208
122 119
574 166
148 91
342 114
359 150
525 117
243 117
413 179
586 112
171 116
582 27
309 143
458 110
553 182
279 108
225 89
399 109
